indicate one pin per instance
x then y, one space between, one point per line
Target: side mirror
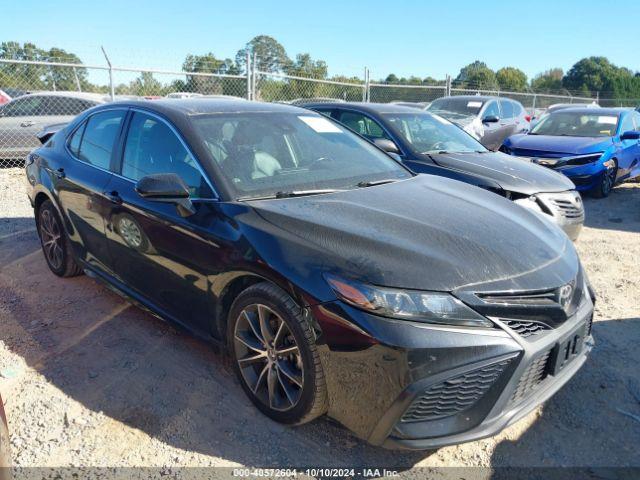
168 188
630 135
490 119
386 145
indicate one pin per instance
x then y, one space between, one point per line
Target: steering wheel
321 162
442 145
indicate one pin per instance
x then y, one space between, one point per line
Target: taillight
527 118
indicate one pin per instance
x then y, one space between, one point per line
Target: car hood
512 174
555 147
425 233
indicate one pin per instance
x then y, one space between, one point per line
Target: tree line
584 78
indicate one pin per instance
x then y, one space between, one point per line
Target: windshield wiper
373 183
289 194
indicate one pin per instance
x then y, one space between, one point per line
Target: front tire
55 243
607 182
274 355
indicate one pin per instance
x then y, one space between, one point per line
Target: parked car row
417 310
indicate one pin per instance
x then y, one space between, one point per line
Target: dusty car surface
416 310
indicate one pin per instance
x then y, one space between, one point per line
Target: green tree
598 74
307 67
549 81
208 63
511 79
391 78
270 54
476 75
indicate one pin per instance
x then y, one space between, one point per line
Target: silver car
23 117
488 119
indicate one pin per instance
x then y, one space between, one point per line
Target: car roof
482 98
365 107
189 107
96 97
595 111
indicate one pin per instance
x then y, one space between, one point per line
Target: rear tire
607 182
274 355
55 243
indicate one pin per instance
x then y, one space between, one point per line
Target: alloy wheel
269 357
51 236
608 180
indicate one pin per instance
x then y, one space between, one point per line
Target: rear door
157 253
19 123
507 119
81 184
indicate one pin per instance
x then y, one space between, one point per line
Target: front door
492 130
160 255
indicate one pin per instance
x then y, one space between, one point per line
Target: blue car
595 148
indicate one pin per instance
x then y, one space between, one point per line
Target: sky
422 38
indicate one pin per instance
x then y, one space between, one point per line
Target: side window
362 124
25 107
636 120
76 138
58 105
506 108
627 124
152 147
517 109
492 110
98 140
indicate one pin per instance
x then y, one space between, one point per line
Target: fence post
368 85
254 76
111 86
448 86
533 108
248 76
75 74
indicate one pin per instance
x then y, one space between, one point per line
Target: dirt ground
89 380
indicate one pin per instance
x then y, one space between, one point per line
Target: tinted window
492 110
76 138
270 152
362 124
25 106
507 109
152 147
636 120
67 106
98 140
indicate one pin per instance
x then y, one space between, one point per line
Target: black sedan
428 143
416 310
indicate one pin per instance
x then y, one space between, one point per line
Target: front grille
589 324
526 329
565 204
455 394
535 373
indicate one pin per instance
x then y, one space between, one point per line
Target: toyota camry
418 311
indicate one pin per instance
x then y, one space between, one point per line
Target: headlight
529 202
419 306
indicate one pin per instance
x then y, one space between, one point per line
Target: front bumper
467 383
565 209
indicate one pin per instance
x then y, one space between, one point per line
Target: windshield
576 124
268 154
461 106
432 134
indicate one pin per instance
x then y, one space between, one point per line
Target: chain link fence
36 94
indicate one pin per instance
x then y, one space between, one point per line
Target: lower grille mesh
454 395
526 329
535 373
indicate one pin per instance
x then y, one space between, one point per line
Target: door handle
113 197
28 123
59 173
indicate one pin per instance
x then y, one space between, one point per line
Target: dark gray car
431 144
488 119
